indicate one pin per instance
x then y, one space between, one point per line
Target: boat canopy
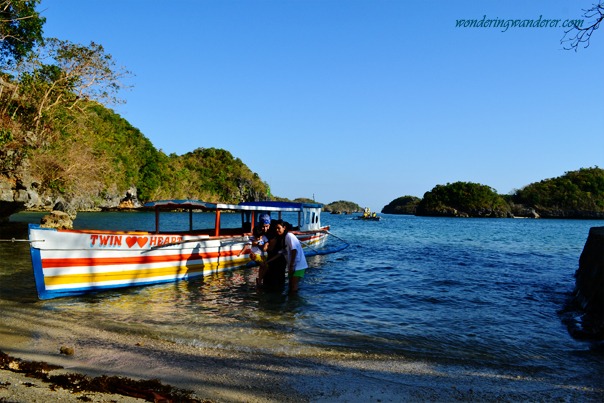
308 213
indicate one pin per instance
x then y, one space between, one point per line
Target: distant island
576 194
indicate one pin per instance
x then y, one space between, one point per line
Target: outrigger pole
21 240
335 236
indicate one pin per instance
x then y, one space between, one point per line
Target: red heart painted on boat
131 240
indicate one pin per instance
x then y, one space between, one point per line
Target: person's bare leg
293 284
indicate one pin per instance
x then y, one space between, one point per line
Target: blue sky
362 101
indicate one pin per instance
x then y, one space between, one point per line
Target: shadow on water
16 275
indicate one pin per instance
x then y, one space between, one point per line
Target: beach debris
66 350
150 390
34 368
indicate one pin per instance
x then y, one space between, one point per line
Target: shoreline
227 376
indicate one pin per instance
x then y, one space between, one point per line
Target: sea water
483 293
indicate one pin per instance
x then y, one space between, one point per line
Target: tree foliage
97 155
581 190
402 205
55 127
215 175
63 74
343 206
20 29
463 199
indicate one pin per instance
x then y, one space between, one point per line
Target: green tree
64 74
464 199
20 29
569 194
402 205
342 206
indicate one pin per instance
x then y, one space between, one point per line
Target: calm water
475 292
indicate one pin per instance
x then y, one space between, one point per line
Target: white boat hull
70 262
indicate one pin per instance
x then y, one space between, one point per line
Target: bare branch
577 36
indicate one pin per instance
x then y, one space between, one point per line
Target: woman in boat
296 261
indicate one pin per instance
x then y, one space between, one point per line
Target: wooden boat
368 216
74 262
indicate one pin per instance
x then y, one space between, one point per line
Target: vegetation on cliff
58 137
98 155
20 28
402 205
342 206
465 199
577 194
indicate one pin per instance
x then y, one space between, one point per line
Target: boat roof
244 206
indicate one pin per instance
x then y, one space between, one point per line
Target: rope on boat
327 250
335 236
308 246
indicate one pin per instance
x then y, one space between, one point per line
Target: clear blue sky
362 101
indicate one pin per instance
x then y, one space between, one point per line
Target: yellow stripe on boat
139 275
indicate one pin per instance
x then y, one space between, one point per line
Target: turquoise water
483 293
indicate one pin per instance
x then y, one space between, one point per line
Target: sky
356 100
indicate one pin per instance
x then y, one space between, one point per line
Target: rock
589 285
66 350
131 199
60 205
58 220
520 210
63 206
126 204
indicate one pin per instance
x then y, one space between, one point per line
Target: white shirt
291 243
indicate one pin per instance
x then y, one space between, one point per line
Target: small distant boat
368 216
75 262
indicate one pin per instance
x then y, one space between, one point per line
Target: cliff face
16 194
585 314
22 192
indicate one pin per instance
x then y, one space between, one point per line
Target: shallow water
483 293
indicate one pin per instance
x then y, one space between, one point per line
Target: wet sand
226 376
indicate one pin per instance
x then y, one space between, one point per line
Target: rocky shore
585 313
22 192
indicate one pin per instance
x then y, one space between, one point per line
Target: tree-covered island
576 194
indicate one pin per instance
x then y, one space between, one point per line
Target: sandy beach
221 376
230 374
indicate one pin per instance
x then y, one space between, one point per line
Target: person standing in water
258 253
296 261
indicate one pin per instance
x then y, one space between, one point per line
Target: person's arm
292 260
